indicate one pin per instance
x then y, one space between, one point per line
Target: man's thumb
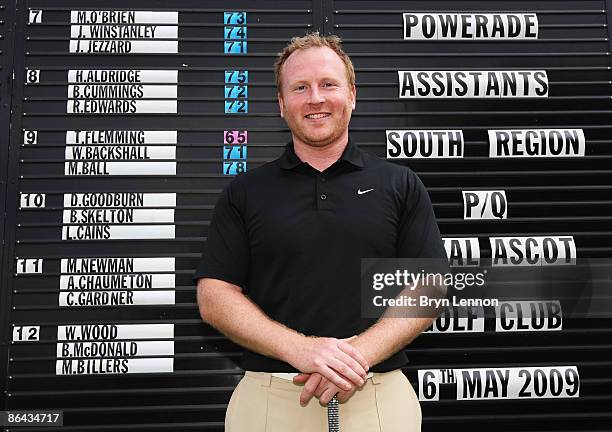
301 378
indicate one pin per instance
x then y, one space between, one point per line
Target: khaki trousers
263 403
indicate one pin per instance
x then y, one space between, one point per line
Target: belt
289 375
333 409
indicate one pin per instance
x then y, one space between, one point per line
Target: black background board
6 53
546 196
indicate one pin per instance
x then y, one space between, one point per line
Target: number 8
32 76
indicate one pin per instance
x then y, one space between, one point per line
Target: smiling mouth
316 116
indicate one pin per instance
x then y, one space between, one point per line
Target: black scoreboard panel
128 118
461 92
5 106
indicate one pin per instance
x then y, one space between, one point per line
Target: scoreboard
123 121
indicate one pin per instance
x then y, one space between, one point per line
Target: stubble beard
299 132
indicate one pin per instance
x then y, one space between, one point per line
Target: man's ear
280 104
354 93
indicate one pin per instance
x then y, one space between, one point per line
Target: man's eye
300 88
329 84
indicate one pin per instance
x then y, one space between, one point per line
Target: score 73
234 18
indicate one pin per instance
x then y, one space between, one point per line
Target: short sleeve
225 254
419 236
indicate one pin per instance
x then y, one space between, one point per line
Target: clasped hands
334 367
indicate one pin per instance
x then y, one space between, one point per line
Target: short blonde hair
313 40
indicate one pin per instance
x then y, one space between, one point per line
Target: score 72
236 106
236 91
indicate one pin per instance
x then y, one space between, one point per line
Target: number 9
30 137
572 379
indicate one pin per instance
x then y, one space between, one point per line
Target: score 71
235 152
234 47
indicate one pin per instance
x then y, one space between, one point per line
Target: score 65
235 137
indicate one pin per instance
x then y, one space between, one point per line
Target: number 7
35 17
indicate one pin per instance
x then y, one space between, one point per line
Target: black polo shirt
293 238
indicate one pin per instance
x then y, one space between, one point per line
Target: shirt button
322 179
323 196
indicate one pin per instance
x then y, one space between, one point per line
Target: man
280 273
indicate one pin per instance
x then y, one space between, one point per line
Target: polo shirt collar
351 154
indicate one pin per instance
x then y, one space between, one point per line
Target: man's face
316 99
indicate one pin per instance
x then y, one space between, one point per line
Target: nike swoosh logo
360 192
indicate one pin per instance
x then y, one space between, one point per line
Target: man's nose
315 96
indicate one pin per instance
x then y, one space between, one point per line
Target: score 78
233 168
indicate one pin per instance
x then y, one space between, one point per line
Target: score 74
235 32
